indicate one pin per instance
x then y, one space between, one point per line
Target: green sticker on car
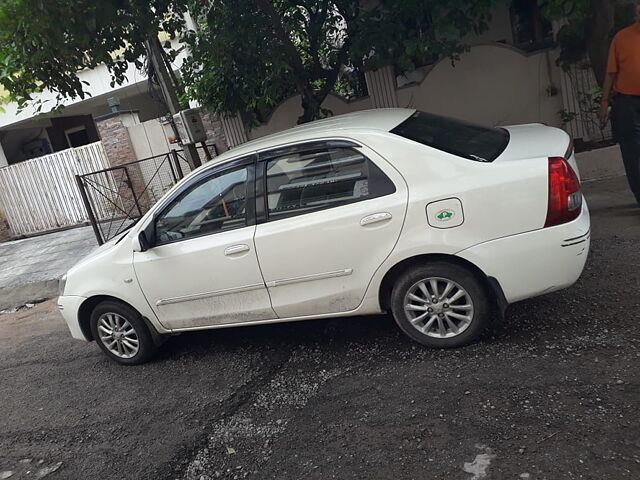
445 215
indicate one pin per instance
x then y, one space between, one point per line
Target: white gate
42 194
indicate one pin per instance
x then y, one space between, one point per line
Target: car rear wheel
440 305
121 333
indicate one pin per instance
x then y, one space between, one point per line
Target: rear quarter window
466 140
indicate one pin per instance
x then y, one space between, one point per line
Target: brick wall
117 145
115 138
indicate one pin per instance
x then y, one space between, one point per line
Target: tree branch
332 75
282 36
315 31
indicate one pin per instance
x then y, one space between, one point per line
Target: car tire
458 316
121 333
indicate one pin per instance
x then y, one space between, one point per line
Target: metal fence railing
117 197
581 95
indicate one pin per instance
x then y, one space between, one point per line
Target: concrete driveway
553 394
30 267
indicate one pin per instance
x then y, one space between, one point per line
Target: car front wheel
440 305
121 333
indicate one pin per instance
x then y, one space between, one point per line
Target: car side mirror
139 243
142 242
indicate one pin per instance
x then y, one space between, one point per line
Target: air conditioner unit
189 126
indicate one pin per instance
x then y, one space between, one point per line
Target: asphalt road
552 394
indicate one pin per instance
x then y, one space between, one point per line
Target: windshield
467 140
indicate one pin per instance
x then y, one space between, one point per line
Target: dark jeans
625 119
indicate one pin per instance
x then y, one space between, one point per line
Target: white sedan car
441 222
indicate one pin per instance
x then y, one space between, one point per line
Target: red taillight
565 197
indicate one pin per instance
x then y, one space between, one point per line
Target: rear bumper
535 263
69 307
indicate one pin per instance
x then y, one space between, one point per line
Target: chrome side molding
310 278
216 293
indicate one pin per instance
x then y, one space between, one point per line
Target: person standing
623 78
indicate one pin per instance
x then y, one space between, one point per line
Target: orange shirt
624 59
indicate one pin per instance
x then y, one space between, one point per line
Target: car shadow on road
335 333
522 324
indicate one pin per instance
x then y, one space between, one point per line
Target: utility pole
169 93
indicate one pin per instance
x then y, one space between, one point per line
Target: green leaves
240 62
572 10
44 44
236 65
245 56
587 28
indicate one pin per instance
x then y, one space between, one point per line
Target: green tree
249 55
45 43
588 26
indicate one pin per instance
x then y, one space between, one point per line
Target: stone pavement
30 267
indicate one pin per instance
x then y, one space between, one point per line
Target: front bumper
69 307
538 262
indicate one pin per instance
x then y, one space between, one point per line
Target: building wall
151 138
492 85
287 113
117 144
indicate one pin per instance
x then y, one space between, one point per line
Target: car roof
381 119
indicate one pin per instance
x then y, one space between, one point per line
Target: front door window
216 204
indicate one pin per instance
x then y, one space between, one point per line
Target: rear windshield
460 138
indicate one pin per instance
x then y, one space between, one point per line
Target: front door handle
376 218
236 249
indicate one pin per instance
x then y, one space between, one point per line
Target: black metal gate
116 198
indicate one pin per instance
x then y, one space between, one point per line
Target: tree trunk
311 108
309 103
598 33
537 22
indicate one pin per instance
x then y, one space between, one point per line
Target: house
508 76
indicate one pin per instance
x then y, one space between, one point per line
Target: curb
14 296
600 164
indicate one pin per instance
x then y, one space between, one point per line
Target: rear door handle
236 249
376 218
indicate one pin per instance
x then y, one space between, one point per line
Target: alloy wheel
118 335
438 307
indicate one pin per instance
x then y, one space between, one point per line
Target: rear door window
467 140
308 181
